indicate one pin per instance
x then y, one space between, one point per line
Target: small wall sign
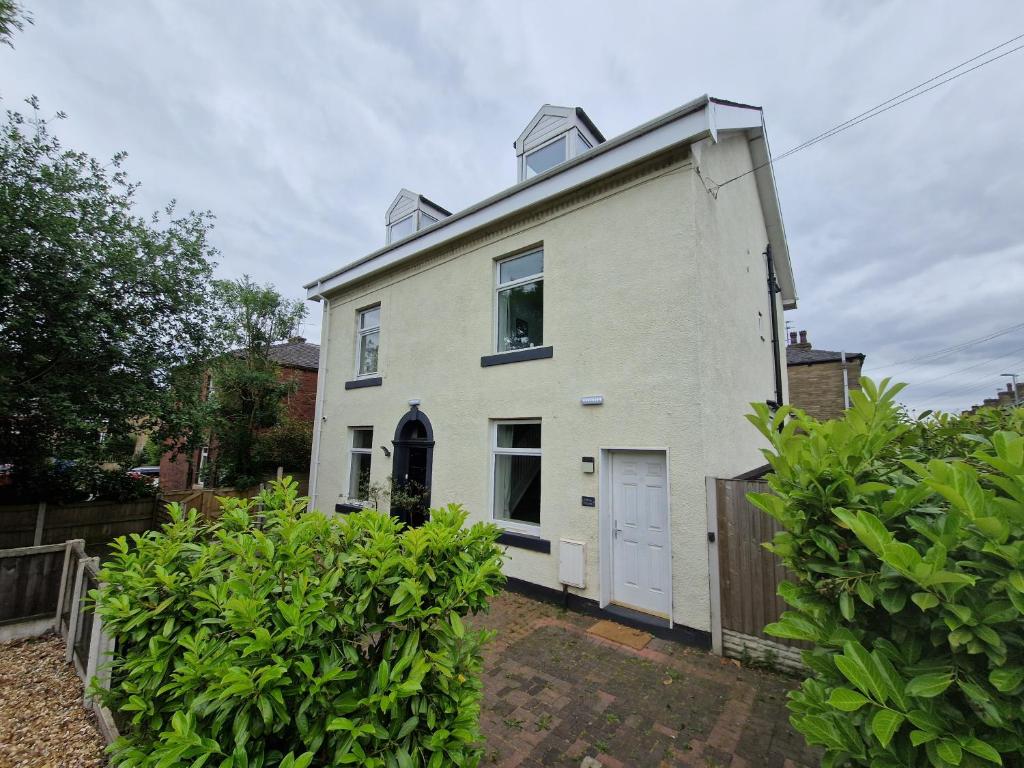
589 501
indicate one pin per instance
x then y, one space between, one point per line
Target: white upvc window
359 463
368 342
519 302
515 474
204 458
546 157
402 228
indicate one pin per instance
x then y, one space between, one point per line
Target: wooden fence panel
749 574
30 584
204 500
97 522
17 525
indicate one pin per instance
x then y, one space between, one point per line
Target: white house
572 357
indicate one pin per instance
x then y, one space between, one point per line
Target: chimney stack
803 343
792 337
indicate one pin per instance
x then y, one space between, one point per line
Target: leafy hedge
907 540
313 641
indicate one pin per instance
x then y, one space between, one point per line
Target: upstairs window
546 157
517 456
368 342
520 302
359 466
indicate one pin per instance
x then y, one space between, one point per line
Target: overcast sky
297 123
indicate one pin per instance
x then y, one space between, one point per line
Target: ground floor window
516 460
359 469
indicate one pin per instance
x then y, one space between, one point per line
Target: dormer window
555 134
409 213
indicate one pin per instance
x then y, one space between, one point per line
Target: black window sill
375 381
521 541
518 356
347 508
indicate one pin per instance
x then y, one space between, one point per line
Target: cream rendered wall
635 311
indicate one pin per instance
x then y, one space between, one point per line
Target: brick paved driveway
554 694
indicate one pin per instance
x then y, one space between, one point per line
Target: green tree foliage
248 388
13 17
907 540
97 305
288 444
335 640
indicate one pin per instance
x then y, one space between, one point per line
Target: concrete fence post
37 538
76 598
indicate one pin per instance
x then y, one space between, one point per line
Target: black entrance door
414 457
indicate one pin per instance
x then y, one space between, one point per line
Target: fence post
714 575
75 610
37 538
63 584
97 647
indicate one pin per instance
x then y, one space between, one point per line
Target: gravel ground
42 721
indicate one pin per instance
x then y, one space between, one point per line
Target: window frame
514 526
353 451
415 228
564 136
361 333
500 286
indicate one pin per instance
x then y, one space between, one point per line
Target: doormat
621 634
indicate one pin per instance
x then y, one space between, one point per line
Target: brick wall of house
174 473
818 388
301 404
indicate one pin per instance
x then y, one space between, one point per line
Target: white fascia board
768 193
683 125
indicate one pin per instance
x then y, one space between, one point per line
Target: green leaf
924 600
457 627
950 751
866 593
847 700
982 749
1006 679
917 738
846 605
930 685
884 725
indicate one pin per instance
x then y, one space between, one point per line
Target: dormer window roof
411 212
554 135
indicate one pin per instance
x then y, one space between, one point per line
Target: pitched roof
704 117
297 354
797 355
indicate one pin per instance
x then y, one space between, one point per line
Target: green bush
313 640
906 540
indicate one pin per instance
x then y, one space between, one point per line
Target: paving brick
554 694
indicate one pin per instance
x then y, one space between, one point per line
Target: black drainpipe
773 288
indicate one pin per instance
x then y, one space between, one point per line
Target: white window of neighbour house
359 465
520 302
516 460
368 342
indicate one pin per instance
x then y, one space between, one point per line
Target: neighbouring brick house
816 382
1004 399
299 361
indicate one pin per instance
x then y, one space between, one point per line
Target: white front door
641 562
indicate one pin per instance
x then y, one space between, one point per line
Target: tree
98 306
12 17
247 386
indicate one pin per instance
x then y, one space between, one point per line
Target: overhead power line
967 368
976 384
946 351
885 106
